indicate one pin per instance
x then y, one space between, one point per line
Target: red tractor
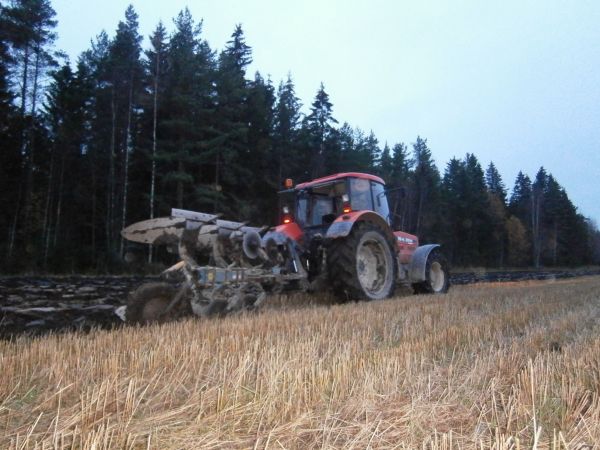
334 233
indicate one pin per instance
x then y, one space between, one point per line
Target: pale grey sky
516 82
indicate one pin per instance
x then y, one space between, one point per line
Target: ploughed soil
34 305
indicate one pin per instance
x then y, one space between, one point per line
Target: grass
497 366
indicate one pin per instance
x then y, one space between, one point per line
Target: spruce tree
399 199
520 200
187 119
319 125
65 200
426 190
263 185
286 125
537 215
94 72
494 182
232 120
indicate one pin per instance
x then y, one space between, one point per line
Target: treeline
128 132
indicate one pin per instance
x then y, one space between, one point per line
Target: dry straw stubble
486 366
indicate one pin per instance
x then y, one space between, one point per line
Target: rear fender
281 232
342 226
418 263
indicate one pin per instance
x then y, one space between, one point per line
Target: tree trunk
46 228
94 206
180 168
217 179
154 145
111 172
29 186
23 148
128 150
535 227
13 229
24 85
555 246
59 201
420 211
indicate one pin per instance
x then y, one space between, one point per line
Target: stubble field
511 365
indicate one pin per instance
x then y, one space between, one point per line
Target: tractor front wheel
362 266
437 276
149 304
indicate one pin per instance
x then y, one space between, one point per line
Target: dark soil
33 305
518 275
38 305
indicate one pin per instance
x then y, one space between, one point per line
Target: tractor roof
339 176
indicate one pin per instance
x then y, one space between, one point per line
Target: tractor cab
315 205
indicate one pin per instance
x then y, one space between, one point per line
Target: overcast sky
515 82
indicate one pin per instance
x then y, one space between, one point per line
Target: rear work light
346 208
287 217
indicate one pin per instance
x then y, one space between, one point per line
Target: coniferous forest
137 126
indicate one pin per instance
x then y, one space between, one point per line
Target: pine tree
386 164
30 28
126 72
156 66
6 62
10 156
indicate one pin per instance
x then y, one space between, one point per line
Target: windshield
320 205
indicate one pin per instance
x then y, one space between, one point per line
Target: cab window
360 194
380 199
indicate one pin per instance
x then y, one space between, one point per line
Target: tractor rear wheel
437 275
149 303
362 266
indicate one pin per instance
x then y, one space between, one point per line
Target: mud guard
419 262
342 226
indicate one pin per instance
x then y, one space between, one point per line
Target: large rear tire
437 275
149 302
362 266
